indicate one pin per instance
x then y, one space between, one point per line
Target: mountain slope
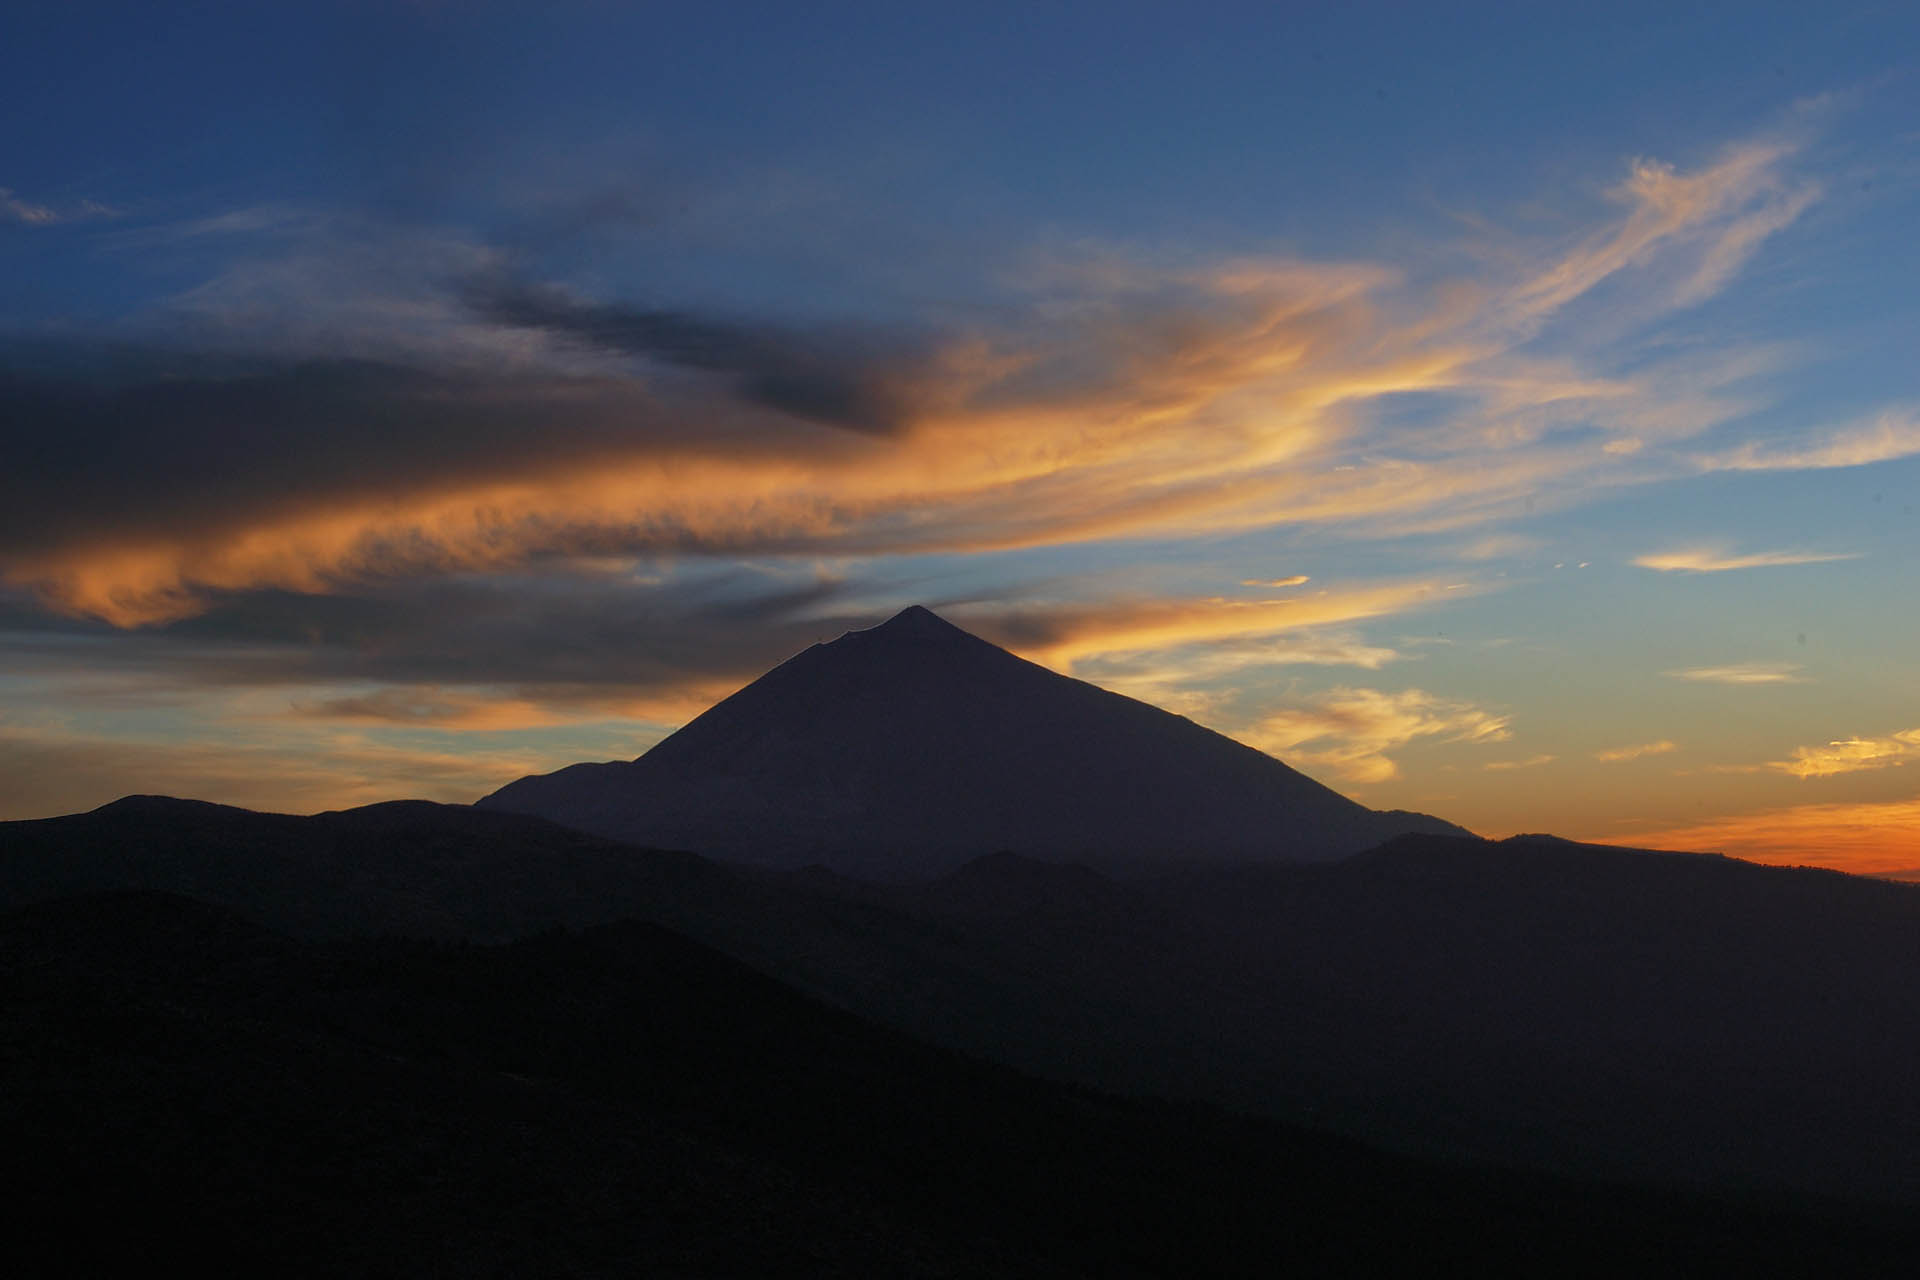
1676 1018
907 748
623 1100
408 867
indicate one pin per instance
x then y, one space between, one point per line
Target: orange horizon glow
1867 839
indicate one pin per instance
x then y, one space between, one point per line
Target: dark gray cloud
857 382
563 636
102 442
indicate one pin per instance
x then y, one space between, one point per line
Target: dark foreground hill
407 867
910 747
1670 1018
181 1087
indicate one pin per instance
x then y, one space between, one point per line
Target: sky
1509 412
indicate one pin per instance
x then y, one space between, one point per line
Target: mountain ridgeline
908 748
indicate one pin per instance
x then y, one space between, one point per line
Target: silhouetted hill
1673 1016
407 867
179 1087
910 747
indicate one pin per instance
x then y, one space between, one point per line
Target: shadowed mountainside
582 1104
1668 1017
910 747
408 867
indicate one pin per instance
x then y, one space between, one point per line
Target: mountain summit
907 748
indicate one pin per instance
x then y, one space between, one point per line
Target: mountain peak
908 748
916 622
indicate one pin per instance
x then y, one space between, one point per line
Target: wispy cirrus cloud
1893 433
1497 546
25 212
1743 673
31 213
1350 730
1714 560
1615 755
1065 634
1717 216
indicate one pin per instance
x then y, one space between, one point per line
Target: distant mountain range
908 748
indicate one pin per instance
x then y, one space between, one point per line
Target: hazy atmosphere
399 399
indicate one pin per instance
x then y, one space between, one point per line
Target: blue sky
1495 410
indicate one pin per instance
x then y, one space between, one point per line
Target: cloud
1743 673
1497 546
29 213
313 477
1741 238
1497 766
1865 838
1363 724
1894 433
571 646
1851 755
1063 635
23 212
1614 755
494 710
1719 215
248 221
1206 681
578 643
856 381
363 404
1708 560
1296 580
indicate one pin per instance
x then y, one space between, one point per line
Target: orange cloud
1743 673
1616 754
1152 675
1498 766
1706 560
1864 839
1063 635
1851 755
1363 724
481 710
